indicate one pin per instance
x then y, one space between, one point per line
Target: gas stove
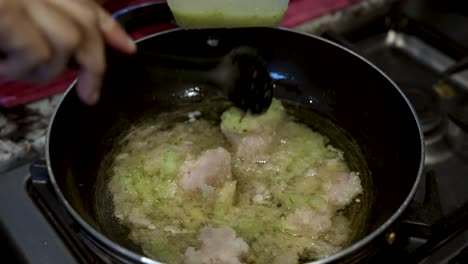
413 49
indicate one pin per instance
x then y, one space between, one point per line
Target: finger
22 44
92 60
63 35
90 53
88 86
114 34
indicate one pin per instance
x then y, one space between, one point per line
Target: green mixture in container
254 189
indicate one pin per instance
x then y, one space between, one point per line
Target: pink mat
13 93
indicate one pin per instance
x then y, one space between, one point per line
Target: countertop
23 128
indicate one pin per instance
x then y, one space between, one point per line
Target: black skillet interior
315 74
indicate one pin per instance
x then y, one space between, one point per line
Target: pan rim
339 255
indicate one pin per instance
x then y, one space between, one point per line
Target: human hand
38 38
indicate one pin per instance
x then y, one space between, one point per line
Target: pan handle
147 18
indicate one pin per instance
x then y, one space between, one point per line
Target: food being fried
211 169
251 189
252 135
218 245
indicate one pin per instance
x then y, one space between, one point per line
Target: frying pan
326 86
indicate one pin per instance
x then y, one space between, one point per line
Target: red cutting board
13 93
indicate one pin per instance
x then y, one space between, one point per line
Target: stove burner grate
427 104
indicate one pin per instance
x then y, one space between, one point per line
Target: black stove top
412 49
413 45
